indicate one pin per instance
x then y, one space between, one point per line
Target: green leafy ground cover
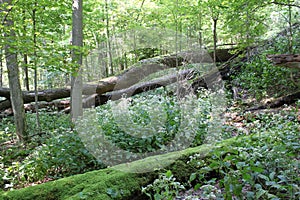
262 165
261 161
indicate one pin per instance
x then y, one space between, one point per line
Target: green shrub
165 187
60 156
55 152
262 79
264 166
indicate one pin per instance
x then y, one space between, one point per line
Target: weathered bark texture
28 97
286 60
139 88
77 42
288 99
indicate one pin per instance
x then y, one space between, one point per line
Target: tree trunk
109 50
290 35
280 101
25 58
286 60
77 42
13 77
1 68
143 87
215 20
35 69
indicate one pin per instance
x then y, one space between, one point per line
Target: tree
13 73
215 10
77 42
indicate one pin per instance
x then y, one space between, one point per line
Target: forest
149 99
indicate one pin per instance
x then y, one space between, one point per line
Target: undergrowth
55 152
264 165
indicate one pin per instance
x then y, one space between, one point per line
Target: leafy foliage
165 187
261 79
262 166
58 152
149 122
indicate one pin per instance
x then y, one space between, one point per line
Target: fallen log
286 60
100 99
124 80
287 99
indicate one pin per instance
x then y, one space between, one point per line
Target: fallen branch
141 87
288 99
124 80
286 60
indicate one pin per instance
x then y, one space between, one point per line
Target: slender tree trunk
77 42
35 70
215 20
109 52
290 35
13 78
26 74
1 68
25 58
248 33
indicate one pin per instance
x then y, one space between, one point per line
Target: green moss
113 183
102 184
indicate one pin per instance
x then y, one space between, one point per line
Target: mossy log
120 179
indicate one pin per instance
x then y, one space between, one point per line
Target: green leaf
260 193
272 175
193 176
256 169
157 196
240 165
263 177
197 186
168 174
247 177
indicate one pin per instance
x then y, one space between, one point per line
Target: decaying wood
124 80
56 105
287 99
101 91
141 87
100 99
286 60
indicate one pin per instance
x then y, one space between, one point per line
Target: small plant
54 153
263 166
165 187
262 79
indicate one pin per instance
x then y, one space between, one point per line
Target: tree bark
287 99
143 87
1 68
77 42
215 20
286 60
13 77
110 66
